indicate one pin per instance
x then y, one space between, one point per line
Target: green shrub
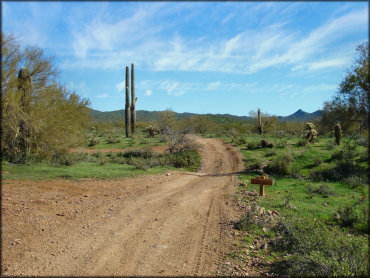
113 139
189 159
241 141
318 250
270 153
280 165
302 143
139 163
93 141
252 145
317 161
282 144
323 190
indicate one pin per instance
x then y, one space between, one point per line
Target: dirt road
151 225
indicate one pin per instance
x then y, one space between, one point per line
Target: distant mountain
301 116
145 116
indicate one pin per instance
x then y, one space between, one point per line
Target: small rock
325 204
264 229
251 247
86 195
156 219
60 214
168 174
274 212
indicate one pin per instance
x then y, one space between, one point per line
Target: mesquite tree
133 100
338 133
127 107
259 119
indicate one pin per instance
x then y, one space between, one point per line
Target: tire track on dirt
149 225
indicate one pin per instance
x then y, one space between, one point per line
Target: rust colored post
262 189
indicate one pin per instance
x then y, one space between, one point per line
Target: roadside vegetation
314 221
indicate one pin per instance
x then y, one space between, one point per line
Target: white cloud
120 86
112 44
102 96
213 86
177 88
148 92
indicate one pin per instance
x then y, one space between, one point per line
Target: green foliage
189 159
53 116
323 190
351 105
318 250
281 165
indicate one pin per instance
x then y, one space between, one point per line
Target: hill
145 116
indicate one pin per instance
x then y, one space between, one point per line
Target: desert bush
139 163
280 165
241 141
270 153
318 250
142 153
113 139
282 144
189 159
317 161
323 190
252 145
363 141
302 143
93 141
296 171
356 181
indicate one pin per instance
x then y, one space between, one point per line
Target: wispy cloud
102 96
120 86
250 51
177 88
148 93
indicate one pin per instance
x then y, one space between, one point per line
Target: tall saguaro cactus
25 90
133 100
127 107
338 133
259 119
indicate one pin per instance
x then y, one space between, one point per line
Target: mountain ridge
144 115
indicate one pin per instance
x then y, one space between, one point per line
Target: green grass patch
76 171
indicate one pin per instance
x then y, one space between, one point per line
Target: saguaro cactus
259 119
25 90
338 133
127 107
133 100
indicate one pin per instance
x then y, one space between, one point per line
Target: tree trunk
127 107
133 100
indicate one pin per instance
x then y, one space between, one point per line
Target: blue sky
200 57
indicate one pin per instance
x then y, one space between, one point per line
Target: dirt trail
151 225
